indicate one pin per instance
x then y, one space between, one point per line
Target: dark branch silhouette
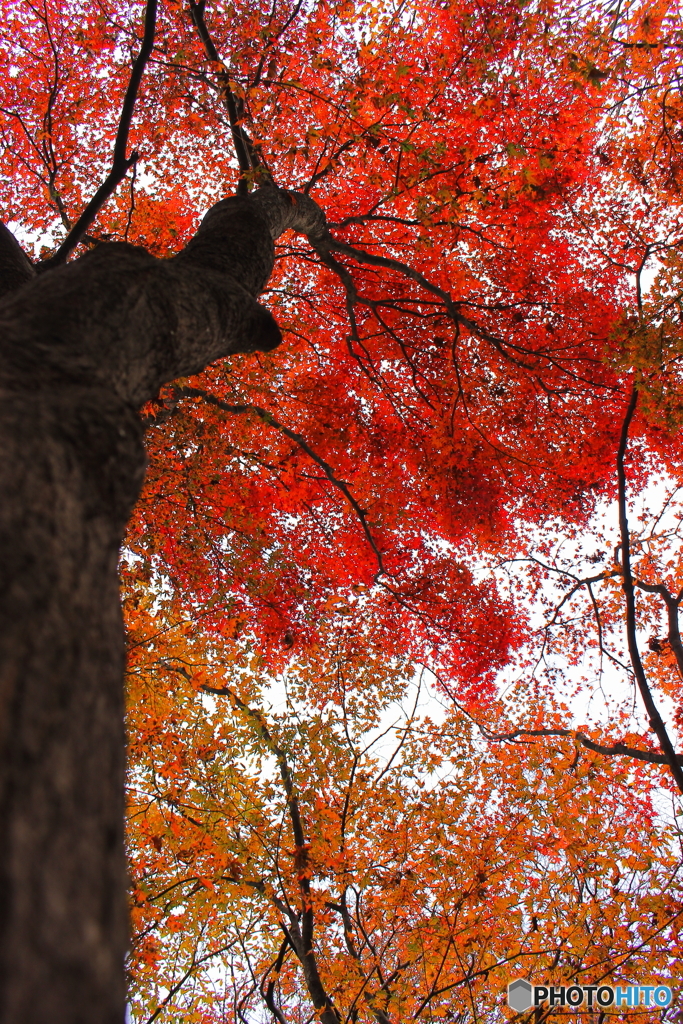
121 163
301 925
249 159
618 749
628 583
301 441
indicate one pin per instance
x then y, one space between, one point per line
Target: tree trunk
82 346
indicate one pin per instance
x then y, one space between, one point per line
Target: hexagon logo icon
520 995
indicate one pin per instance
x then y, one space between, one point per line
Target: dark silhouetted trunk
82 347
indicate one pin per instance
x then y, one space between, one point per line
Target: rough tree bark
82 347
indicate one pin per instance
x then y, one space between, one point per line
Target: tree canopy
457 474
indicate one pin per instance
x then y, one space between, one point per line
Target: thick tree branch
121 163
654 716
122 319
249 158
283 209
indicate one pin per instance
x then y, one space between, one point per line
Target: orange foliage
439 869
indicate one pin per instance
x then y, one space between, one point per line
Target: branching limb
300 934
618 749
614 749
672 604
517 354
628 584
580 583
179 984
274 38
248 155
121 163
269 992
371 998
268 418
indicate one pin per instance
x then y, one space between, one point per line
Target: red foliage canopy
495 177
